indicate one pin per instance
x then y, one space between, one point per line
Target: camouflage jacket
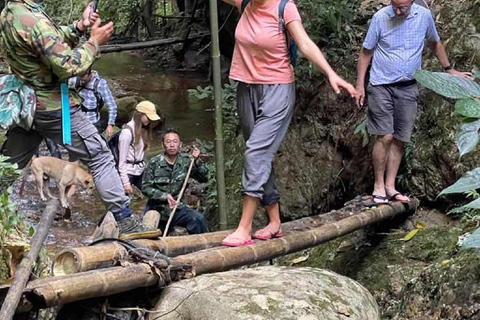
159 179
41 53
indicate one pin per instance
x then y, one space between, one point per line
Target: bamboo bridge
109 268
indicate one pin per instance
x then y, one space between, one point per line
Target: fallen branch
147 44
22 274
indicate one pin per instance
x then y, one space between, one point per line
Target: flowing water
193 118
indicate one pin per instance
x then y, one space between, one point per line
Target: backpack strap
281 11
132 144
244 5
97 94
291 46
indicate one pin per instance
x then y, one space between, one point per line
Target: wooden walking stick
180 195
23 271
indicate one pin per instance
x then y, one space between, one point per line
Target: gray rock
267 293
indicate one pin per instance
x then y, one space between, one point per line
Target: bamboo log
147 44
60 290
221 259
73 260
22 274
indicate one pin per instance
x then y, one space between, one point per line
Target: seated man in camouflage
163 180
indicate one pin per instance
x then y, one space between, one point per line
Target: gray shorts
392 109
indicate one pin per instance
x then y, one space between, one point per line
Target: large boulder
267 293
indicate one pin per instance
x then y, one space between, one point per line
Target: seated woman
132 144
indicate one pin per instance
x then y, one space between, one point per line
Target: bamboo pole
215 260
179 198
61 290
96 283
22 274
73 260
147 44
217 97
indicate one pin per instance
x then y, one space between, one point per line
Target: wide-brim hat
148 108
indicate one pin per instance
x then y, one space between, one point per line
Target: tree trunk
147 17
23 272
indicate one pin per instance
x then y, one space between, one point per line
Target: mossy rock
268 293
427 277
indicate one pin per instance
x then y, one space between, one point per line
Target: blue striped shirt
398 43
90 101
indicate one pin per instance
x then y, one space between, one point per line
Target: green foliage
336 26
10 219
362 130
229 106
449 86
470 181
468 137
120 12
468 91
230 130
469 108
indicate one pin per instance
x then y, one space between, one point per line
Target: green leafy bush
467 93
10 218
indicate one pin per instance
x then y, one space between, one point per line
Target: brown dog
64 172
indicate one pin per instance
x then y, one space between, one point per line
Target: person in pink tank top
265 101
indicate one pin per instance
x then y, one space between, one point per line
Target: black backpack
292 46
113 143
98 96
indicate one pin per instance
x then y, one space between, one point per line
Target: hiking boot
130 224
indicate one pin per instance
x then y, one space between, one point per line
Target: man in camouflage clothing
163 179
43 54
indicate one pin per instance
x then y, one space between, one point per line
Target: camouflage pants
87 146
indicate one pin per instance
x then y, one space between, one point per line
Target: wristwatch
449 67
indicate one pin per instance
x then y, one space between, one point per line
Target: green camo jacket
159 179
41 53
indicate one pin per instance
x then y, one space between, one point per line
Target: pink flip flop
241 243
267 234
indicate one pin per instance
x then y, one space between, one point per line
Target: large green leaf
469 108
468 137
473 241
474 204
470 181
454 87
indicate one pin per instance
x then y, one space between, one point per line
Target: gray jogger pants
87 145
265 111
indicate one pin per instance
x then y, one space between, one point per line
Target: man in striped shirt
95 93
395 40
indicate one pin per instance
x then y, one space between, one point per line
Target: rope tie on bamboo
139 253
